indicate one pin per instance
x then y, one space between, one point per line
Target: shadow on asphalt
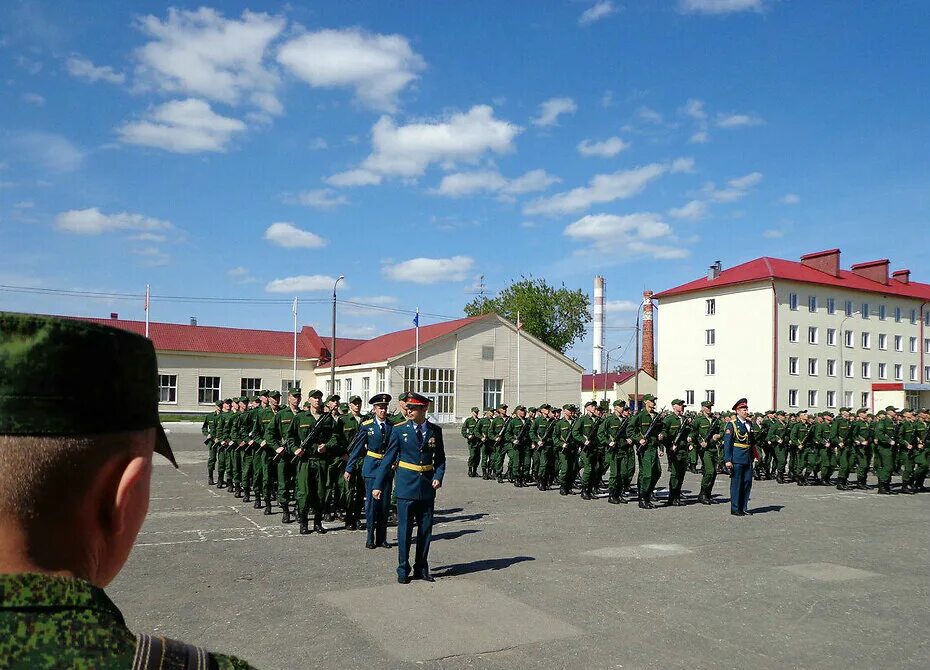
461 517
453 534
480 566
767 508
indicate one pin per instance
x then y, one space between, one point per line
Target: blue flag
416 320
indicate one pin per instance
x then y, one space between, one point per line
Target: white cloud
33 99
84 69
600 10
694 209
605 148
746 181
737 188
321 198
700 137
301 284
357 177
430 270
152 256
649 115
286 234
639 234
695 109
149 237
467 183
241 275
613 306
48 151
601 188
407 151
682 165
773 233
182 126
737 120
94 222
24 204
318 144
607 99
552 109
719 6
204 54
790 199
378 67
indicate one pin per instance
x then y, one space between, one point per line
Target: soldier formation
574 447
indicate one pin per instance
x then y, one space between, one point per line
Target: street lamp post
332 343
607 368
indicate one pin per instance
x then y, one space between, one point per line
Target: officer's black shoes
500 479
737 513
842 486
403 580
670 500
613 500
424 576
318 527
541 486
642 505
679 502
352 525
370 545
268 508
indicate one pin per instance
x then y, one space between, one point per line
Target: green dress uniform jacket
49 622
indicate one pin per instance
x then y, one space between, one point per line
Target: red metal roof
212 339
766 268
589 381
343 344
393 344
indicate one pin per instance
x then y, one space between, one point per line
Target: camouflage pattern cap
41 356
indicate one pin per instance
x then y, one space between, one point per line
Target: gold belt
412 466
741 445
375 454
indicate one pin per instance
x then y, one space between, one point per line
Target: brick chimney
902 276
876 271
825 261
648 364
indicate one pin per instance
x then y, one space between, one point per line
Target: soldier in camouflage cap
76 487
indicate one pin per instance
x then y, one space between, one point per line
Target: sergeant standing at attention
76 485
370 445
416 448
707 436
473 440
737 455
222 422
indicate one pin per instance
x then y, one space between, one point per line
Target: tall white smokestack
599 286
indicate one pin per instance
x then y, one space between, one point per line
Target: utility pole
332 344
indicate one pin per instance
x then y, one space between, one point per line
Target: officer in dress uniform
371 441
737 454
416 448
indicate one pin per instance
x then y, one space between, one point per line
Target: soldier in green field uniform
907 444
706 435
884 441
312 474
473 440
483 433
777 439
240 433
677 440
921 460
498 424
515 444
611 436
222 434
284 445
334 457
209 432
540 444
353 488
261 460
650 469
254 475
584 437
798 440
860 443
400 415
824 443
839 436
565 448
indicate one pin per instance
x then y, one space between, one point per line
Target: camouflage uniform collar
35 591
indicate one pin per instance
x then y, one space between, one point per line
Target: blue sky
258 151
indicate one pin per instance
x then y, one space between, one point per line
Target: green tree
555 315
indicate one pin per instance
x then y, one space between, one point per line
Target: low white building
797 335
619 386
462 363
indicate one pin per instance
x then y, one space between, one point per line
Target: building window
493 393
792 333
847 308
710 396
329 388
366 390
897 315
831 398
898 343
927 345
913 371
710 336
793 301
866 340
487 353
250 385
864 398
831 337
831 305
168 389
866 370
381 380
208 390
882 312
792 397
926 373
348 386
689 397
847 398
913 344
710 306
831 367
848 338
848 369
437 383
812 303
865 310
812 398
812 334
898 372
710 366
813 367
338 390
882 371
288 384
793 365
882 341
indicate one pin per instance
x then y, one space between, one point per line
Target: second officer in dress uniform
737 453
416 449
371 441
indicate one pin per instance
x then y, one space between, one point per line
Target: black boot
586 494
258 502
210 481
613 498
563 491
247 495
286 517
861 485
780 478
640 501
304 526
318 523
670 501
220 484
267 508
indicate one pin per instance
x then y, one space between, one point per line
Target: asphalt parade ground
815 578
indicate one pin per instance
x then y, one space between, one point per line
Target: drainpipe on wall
923 348
774 346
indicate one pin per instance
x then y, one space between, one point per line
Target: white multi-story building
797 335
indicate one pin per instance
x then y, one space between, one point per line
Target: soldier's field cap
707 403
343 407
355 400
678 401
315 393
619 403
403 396
518 408
275 394
590 403
417 400
568 406
475 409
532 409
296 392
334 396
891 408
649 396
218 403
780 412
42 356
380 399
545 405
742 403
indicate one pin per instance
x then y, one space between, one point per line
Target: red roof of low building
394 344
767 268
343 344
597 381
213 339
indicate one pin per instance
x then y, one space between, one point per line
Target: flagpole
416 364
147 295
294 378
519 325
